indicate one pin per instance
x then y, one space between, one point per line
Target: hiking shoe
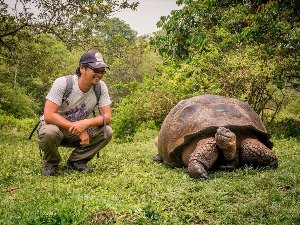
78 166
49 170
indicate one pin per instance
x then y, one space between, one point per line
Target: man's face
92 74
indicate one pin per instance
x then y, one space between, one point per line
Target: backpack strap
97 90
69 88
34 129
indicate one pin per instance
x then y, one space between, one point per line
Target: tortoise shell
201 116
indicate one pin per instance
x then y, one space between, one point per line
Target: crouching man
67 119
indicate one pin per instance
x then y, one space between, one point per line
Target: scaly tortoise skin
211 131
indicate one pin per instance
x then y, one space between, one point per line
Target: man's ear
81 67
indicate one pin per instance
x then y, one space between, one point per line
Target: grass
128 188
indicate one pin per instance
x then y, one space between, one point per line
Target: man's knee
100 134
49 132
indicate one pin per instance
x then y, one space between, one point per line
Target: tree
243 49
228 23
72 21
254 46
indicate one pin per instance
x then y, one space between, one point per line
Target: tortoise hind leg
157 158
203 158
256 154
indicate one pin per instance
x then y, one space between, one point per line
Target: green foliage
146 131
125 69
292 109
12 124
14 101
286 128
34 71
127 187
160 94
72 22
243 74
131 60
266 26
287 123
245 49
229 24
48 60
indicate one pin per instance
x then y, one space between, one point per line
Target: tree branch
14 31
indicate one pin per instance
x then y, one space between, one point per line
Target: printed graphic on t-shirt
78 113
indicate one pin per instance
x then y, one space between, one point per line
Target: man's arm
52 117
105 112
81 125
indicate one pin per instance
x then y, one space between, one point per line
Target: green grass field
128 188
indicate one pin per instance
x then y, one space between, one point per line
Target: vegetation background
243 49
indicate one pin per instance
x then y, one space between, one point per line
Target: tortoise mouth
224 138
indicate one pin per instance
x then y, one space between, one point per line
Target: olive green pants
50 137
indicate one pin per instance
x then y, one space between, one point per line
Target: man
67 122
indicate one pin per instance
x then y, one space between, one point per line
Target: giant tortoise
212 132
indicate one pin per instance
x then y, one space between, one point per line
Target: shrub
286 128
14 101
9 122
155 97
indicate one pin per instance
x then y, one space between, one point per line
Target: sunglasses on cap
97 70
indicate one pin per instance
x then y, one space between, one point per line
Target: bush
153 99
287 122
146 131
8 122
14 101
286 128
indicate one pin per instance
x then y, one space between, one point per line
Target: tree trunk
15 76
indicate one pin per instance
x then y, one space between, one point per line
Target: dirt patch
102 216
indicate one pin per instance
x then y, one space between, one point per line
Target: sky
148 13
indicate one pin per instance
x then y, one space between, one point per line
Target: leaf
12 188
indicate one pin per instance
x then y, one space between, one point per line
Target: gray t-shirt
78 105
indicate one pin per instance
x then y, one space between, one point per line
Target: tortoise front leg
256 154
203 158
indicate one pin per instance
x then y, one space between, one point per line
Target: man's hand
79 126
84 138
